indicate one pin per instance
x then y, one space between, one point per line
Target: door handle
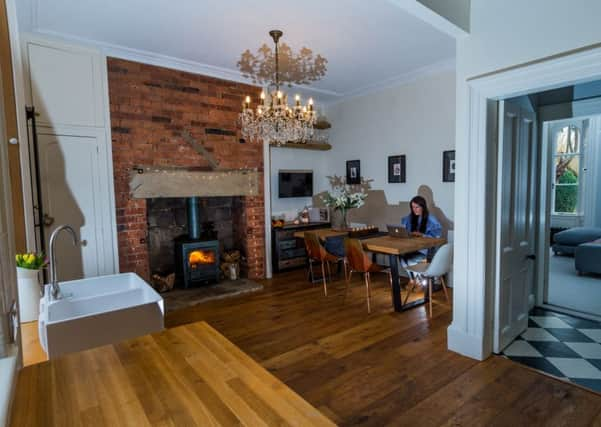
531 256
13 322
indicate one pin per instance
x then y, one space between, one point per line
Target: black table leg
397 300
396 284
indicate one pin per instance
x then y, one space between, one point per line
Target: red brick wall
149 107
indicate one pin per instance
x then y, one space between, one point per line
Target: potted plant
342 198
28 268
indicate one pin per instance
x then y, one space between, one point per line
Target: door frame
11 359
471 332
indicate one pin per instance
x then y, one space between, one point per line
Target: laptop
397 231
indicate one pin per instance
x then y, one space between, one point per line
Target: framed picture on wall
396 169
448 166
353 172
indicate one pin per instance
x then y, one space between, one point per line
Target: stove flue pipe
193 209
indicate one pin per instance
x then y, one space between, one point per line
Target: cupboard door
65 85
72 195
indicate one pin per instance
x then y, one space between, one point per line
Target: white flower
342 198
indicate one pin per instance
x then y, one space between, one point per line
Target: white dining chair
426 271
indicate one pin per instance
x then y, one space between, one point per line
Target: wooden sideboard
288 251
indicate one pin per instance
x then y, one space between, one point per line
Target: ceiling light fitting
273 120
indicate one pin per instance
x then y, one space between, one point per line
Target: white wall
504 33
289 158
416 119
456 11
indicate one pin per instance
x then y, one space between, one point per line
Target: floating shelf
318 146
322 124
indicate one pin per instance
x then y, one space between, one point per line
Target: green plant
566 196
31 261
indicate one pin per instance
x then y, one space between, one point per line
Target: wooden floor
30 343
385 368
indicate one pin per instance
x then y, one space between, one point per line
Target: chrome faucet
55 289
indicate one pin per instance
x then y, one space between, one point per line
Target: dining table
393 247
322 233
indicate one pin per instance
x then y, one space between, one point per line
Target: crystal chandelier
273 119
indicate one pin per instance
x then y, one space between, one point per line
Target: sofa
565 242
587 257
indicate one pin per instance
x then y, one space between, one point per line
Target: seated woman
420 223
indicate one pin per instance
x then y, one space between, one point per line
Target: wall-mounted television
295 183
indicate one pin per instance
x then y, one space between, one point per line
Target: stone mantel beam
152 182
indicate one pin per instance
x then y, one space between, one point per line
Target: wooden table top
322 233
189 375
381 244
398 246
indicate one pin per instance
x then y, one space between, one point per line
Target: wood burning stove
197 253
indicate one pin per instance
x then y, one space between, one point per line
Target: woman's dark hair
420 201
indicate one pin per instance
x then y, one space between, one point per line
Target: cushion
588 257
577 235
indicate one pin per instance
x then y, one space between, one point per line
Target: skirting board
467 345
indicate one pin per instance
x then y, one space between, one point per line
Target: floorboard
383 368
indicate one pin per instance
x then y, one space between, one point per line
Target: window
567 165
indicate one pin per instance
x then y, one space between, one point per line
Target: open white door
8 280
9 326
515 231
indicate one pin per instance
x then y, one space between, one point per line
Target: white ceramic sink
98 311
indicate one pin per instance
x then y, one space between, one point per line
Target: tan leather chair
358 261
317 253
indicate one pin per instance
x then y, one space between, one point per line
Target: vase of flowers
28 281
343 199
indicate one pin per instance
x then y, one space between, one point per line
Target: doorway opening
571 281
548 287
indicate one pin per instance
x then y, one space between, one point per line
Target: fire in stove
199 257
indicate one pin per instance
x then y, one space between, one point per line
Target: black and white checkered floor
564 346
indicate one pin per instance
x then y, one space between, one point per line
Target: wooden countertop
322 233
189 375
292 226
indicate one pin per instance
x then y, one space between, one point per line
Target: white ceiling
368 43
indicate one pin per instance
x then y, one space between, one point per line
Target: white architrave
267 206
471 331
